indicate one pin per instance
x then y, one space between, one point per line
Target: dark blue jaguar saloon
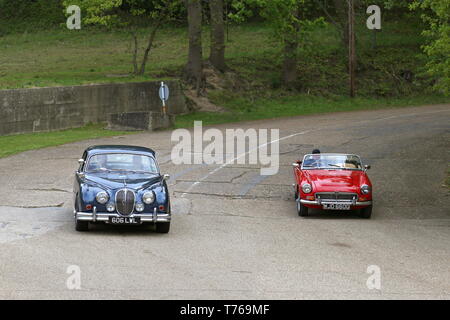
121 185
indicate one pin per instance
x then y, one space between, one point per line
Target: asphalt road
236 234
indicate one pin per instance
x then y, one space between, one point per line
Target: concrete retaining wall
46 109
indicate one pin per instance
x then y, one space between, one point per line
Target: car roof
119 149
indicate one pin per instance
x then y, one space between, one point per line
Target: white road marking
238 157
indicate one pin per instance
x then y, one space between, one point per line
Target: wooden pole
351 47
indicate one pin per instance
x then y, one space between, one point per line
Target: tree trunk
194 67
217 56
135 53
151 39
290 62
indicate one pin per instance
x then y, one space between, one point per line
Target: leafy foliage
119 13
26 15
282 15
436 13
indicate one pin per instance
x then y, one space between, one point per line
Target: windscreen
122 162
328 161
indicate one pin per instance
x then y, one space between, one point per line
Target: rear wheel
301 209
366 212
163 227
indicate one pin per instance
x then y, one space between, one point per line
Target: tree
436 13
341 7
194 66
115 13
290 20
217 55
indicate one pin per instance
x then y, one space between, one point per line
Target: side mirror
296 165
81 162
81 175
166 177
367 167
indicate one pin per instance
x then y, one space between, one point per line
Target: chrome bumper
319 203
104 217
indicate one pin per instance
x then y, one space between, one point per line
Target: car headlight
102 197
365 189
148 197
110 207
307 188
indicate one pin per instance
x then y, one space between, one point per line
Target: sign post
164 96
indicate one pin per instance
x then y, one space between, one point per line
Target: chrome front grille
125 199
336 196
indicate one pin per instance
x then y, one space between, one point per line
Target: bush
28 15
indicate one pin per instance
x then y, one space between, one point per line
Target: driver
313 161
137 163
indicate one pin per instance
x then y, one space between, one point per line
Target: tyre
301 209
366 213
163 227
81 225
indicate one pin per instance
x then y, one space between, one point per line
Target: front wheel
301 209
366 212
163 227
81 225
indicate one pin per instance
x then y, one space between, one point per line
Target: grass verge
10 145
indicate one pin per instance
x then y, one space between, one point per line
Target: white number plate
336 206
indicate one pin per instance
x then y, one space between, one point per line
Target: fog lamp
140 207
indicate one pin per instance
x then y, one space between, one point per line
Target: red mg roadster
332 182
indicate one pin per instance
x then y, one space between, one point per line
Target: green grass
10 145
241 109
61 57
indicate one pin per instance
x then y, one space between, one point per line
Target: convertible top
119 149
